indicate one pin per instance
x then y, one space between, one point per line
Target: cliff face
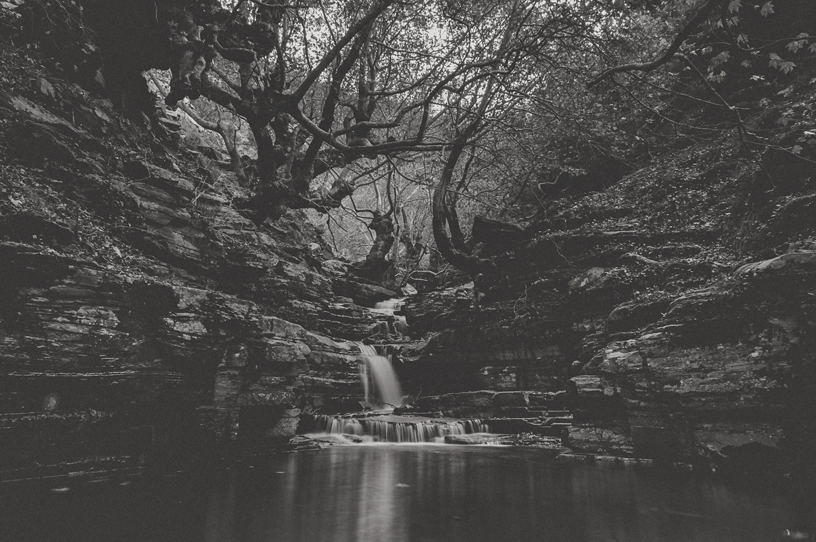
720 375
141 315
675 308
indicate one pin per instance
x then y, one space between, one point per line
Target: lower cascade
382 390
397 428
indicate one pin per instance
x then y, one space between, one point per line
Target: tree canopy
491 106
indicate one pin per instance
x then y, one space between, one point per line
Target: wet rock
587 279
588 387
597 440
793 216
786 265
34 229
435 311
475 438
47 123
494 232
511 399
44 87
363 293
457 404
631 316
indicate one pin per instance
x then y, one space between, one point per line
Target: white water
389 307
398 429
398 323
380 383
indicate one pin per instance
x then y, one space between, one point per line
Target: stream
406 492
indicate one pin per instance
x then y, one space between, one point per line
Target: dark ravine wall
671 340
142 318
674 309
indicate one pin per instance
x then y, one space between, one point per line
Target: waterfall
380 383
389 306
398 323
364 380
398 429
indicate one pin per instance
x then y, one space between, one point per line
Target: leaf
716 77
767 9
721 58
734 6
798 43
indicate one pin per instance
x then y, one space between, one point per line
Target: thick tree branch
221 127
684 33
333 97
329 57
225 78
383 148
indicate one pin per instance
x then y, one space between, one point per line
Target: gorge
186 353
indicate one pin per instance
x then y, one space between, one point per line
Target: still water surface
395 493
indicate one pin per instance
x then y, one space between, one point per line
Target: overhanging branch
684 33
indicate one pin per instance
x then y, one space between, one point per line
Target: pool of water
391 493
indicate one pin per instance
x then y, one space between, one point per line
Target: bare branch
329 57
330 105
225 78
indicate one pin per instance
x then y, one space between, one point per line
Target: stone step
551 413
476 438
526 412
525 425
560 420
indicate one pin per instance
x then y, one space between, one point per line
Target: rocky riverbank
680 331
143 317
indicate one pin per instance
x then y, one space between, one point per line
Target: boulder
494 232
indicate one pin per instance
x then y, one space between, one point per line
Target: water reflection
393 493
390 493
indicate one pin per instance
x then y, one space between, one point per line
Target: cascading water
381 386
381 389
389 307
398 428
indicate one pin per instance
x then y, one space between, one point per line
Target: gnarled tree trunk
376 264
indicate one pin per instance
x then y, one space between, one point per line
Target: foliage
480 108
